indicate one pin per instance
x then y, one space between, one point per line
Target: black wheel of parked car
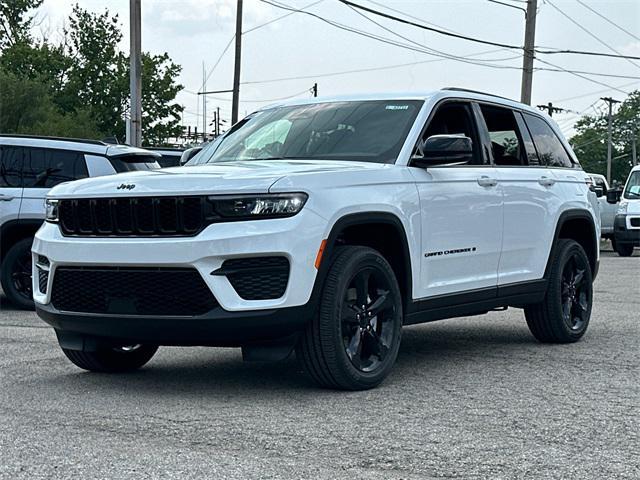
15 274
563 316
624 249
353 341
114 359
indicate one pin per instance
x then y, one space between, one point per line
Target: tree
86 76
590 141
15 22
26 107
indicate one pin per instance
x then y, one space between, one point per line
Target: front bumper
235 321
625 232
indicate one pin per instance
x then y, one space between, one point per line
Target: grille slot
43 278
257 278
131 291
133 216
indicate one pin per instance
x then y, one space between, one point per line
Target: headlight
622 208
51 210
258 206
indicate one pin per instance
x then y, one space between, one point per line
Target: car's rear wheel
114 359
15 274
353 341
563 315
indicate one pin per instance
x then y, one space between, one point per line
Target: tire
15 275
624 249
112 360
345 346
564 313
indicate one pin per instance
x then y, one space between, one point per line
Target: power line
608 20
477 40
588 32
575 74
597 92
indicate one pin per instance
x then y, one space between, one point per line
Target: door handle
6 198
485 181
546 181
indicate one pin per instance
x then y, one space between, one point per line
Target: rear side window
550 150
46 168
129 163
11 167
506 144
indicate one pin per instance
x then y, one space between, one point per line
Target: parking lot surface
469 398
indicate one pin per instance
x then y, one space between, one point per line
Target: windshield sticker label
397 107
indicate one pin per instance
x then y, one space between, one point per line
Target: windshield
366 131
632 190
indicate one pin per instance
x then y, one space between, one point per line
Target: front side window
454 119
550 150
506 144
632 190
366 131
46 168
11 167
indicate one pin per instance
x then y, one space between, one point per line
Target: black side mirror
613 196
599 191
443 150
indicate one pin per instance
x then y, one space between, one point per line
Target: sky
195 34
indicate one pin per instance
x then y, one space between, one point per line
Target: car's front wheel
15 274
624 249
114 359
353 341
563 315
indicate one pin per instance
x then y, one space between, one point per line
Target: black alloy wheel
576 297
368 315
353 341
16 274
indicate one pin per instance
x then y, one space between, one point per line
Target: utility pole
236 70
634 156
204 104
314 89
610 101
527 59
551 109
134 130
217 121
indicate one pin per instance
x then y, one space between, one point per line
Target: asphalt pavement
474 397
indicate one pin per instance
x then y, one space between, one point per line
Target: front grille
257 278
132 216
635 222
131 291
43 278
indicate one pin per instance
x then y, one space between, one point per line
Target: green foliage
85 79
590 141
15 21
26 107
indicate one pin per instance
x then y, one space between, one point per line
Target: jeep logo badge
126 186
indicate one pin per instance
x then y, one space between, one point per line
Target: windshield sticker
397 107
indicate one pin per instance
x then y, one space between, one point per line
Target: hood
633 206
223 178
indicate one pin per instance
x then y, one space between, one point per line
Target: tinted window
454 119
367 131
45 168
11 167
129 163
632 190
506 144
550 150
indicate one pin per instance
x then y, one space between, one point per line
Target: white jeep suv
325 225
29 167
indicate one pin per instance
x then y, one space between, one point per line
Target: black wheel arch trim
363 218
32 224
575 214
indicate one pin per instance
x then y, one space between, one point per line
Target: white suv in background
29 167
326 225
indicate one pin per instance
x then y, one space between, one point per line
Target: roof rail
44 137
457 89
